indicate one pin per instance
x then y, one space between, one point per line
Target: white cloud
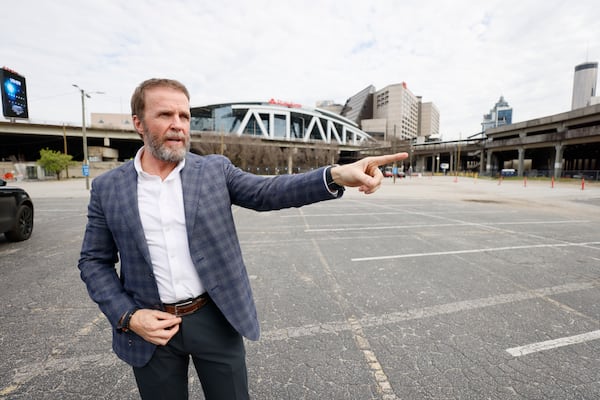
461 55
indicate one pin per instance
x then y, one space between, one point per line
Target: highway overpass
565 143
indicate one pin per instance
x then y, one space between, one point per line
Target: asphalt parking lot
432 288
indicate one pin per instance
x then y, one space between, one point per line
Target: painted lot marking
381 380
485 224
402 213
469 251
8 251
425 312
553 344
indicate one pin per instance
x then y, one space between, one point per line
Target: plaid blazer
211 185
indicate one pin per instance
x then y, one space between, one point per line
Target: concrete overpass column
451 163
558 157
420 164
521 160
488 163
290 160
481 161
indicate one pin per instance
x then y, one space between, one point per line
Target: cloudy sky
461 54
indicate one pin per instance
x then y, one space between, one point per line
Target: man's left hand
365 173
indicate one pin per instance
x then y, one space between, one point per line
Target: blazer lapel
191 185
128 197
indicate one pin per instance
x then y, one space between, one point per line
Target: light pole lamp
86 162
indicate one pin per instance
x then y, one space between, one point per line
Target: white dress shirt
163 219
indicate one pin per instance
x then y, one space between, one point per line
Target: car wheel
23 226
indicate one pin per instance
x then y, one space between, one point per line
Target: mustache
174 136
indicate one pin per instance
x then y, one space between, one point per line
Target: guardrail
588 175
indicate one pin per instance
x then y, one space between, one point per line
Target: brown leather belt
187 307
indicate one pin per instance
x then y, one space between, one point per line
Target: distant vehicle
16 213
508 172
388 172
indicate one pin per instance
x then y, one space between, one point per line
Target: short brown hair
138 99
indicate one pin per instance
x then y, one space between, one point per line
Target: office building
429 121
400 108
359 106
395 112
499 115
584 85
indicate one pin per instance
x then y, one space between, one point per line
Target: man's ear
137 124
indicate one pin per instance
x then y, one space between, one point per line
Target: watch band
331 185
124 325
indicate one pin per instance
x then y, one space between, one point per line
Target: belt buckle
181 305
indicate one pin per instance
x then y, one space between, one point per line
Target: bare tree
251 154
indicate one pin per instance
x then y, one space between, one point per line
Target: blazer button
130 342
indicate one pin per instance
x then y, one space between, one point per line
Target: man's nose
178 123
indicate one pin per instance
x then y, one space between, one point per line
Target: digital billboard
14 94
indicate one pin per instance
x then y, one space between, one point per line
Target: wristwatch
331 185
125 320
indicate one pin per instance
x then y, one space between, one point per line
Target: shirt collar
137 163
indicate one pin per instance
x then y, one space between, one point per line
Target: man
182 289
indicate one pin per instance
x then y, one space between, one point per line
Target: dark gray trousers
217 351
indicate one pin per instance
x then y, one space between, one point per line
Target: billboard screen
14 94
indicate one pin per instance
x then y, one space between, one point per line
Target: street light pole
86 161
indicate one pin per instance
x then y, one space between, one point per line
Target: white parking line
370 228
552 344
8 251
330 327
483 250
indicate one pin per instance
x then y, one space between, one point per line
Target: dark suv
16 213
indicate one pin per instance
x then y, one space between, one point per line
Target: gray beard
161 152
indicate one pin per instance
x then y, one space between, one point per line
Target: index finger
388 158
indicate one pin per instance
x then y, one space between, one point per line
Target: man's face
165 125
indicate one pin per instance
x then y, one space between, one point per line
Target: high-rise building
584 84
429 120
360 105
500 115
399 107
393 111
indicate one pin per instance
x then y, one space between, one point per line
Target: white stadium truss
318 124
